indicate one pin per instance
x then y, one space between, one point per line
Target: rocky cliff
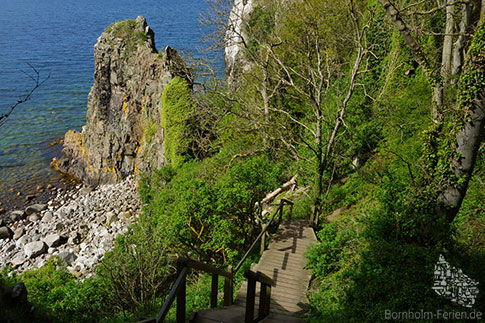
236 31
122 134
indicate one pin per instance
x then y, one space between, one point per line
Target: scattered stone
18 260
53 240
40 187
50 186
83 227
126 215
18 233
33 217
36 208
5 233
2 210
29 197
74 238
85 190
17 214
110 218
22 241
47 217
35 249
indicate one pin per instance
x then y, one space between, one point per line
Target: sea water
56 37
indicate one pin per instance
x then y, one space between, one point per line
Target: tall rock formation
236 31
122 134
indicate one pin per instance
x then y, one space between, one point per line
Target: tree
294 55
461 115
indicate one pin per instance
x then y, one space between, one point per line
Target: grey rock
48 216
18 260
11 247
33 217
5 233
111 141
110 218
53 240
18 233
22 241
85 190
36 208
74 238
35 249
67 257
17 215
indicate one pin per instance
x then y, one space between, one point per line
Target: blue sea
56 37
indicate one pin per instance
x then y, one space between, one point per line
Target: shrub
138 269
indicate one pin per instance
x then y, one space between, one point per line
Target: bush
138 269
208 208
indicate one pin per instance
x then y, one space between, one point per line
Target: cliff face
122 134
236 30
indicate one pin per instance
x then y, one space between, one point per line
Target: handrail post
215 280
181 296
228 288
261 250
264 301
250 298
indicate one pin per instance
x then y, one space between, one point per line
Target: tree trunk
448 41
459 45
419 56
471 134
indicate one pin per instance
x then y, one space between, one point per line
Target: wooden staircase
284 263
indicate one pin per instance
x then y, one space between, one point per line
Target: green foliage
59 294
208 207
151 129
127 30
177 107
138 270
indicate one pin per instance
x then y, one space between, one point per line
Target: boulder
53 240
17 215
48 216
35 249
5 233
67 257
18 260
36 208
19 232
110 218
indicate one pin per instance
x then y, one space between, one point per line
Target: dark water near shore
57 38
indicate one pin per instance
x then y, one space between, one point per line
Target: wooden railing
264 295
263 233
184 265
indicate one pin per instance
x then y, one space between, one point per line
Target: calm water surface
57 38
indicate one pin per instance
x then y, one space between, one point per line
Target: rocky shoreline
77 226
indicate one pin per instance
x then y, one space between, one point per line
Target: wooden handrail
185 264
194 264
264 296
259 276
178 289
173 293
279 209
